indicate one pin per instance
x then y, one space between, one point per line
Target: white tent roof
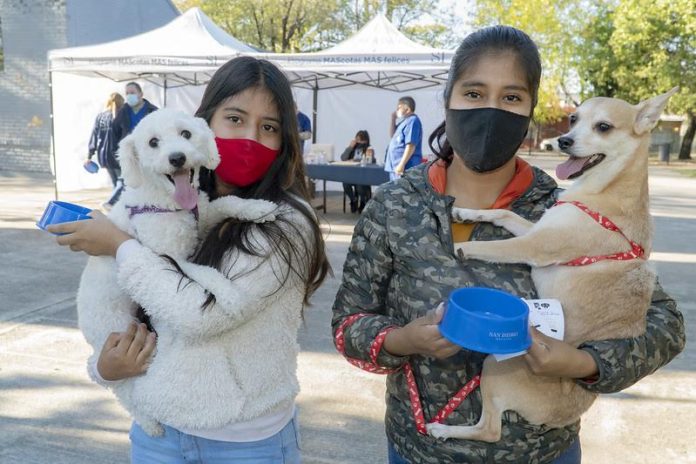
378 55
188 49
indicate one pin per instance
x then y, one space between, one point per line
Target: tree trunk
685 150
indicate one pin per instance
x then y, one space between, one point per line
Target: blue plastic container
487 321
91 167
58 212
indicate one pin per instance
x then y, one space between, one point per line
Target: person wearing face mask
401 266
127 117
251 282
359 149
405 147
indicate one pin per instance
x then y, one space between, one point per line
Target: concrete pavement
51 412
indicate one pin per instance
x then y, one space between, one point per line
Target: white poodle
161 207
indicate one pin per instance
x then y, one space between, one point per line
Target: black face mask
485 138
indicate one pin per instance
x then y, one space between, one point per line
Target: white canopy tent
355 84
172 63
352 86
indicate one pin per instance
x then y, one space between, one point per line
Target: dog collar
637 251
148 209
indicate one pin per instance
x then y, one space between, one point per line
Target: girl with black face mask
401 265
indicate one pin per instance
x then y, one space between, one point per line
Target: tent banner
295 62
139 63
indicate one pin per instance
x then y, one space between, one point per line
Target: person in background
304 126
358 149
405 147
130 114
102 143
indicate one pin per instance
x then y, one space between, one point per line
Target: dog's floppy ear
212 158
649 112
130 165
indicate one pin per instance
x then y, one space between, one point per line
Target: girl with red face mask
248 105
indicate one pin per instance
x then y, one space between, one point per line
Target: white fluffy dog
164 210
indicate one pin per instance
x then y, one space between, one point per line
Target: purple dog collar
134 210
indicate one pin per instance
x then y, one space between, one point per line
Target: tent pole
315 95
53 134
165 92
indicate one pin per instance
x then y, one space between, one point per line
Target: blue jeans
572 455
175 447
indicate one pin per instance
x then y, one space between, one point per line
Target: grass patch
688 172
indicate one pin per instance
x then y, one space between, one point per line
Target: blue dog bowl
487 321
91 167
58 212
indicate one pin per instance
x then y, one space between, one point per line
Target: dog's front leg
506 219
230 206
538 248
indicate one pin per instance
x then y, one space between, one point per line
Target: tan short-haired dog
589 251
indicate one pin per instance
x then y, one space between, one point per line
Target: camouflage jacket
401 264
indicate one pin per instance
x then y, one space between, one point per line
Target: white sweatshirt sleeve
157 286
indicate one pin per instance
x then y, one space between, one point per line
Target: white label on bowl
547 317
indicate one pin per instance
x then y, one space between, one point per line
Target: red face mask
243 161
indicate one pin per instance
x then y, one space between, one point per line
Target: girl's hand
126 354
97 236
421 336
554 358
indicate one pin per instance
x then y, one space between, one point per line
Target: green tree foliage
271 25
654 42
594 59
310 25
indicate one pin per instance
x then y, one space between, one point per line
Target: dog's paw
261 211
466 215
440 431
151 427
460 251
244 210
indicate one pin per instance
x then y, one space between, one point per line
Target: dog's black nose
565 142
177 159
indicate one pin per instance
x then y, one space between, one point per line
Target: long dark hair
284 183
364 135
494 39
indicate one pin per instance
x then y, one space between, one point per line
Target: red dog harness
413 392
637 251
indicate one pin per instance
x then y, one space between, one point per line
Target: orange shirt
521 181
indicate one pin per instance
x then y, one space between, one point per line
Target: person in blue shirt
405 147
130 114
304 127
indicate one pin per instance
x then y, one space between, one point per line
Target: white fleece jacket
234 361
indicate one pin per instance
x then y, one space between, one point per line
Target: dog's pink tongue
570 167
184 193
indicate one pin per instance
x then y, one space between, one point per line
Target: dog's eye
573 119
154 142
186 134
603 127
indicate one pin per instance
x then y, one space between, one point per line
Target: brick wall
29 29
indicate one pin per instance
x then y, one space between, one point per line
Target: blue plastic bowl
487 321
58 212
91 167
